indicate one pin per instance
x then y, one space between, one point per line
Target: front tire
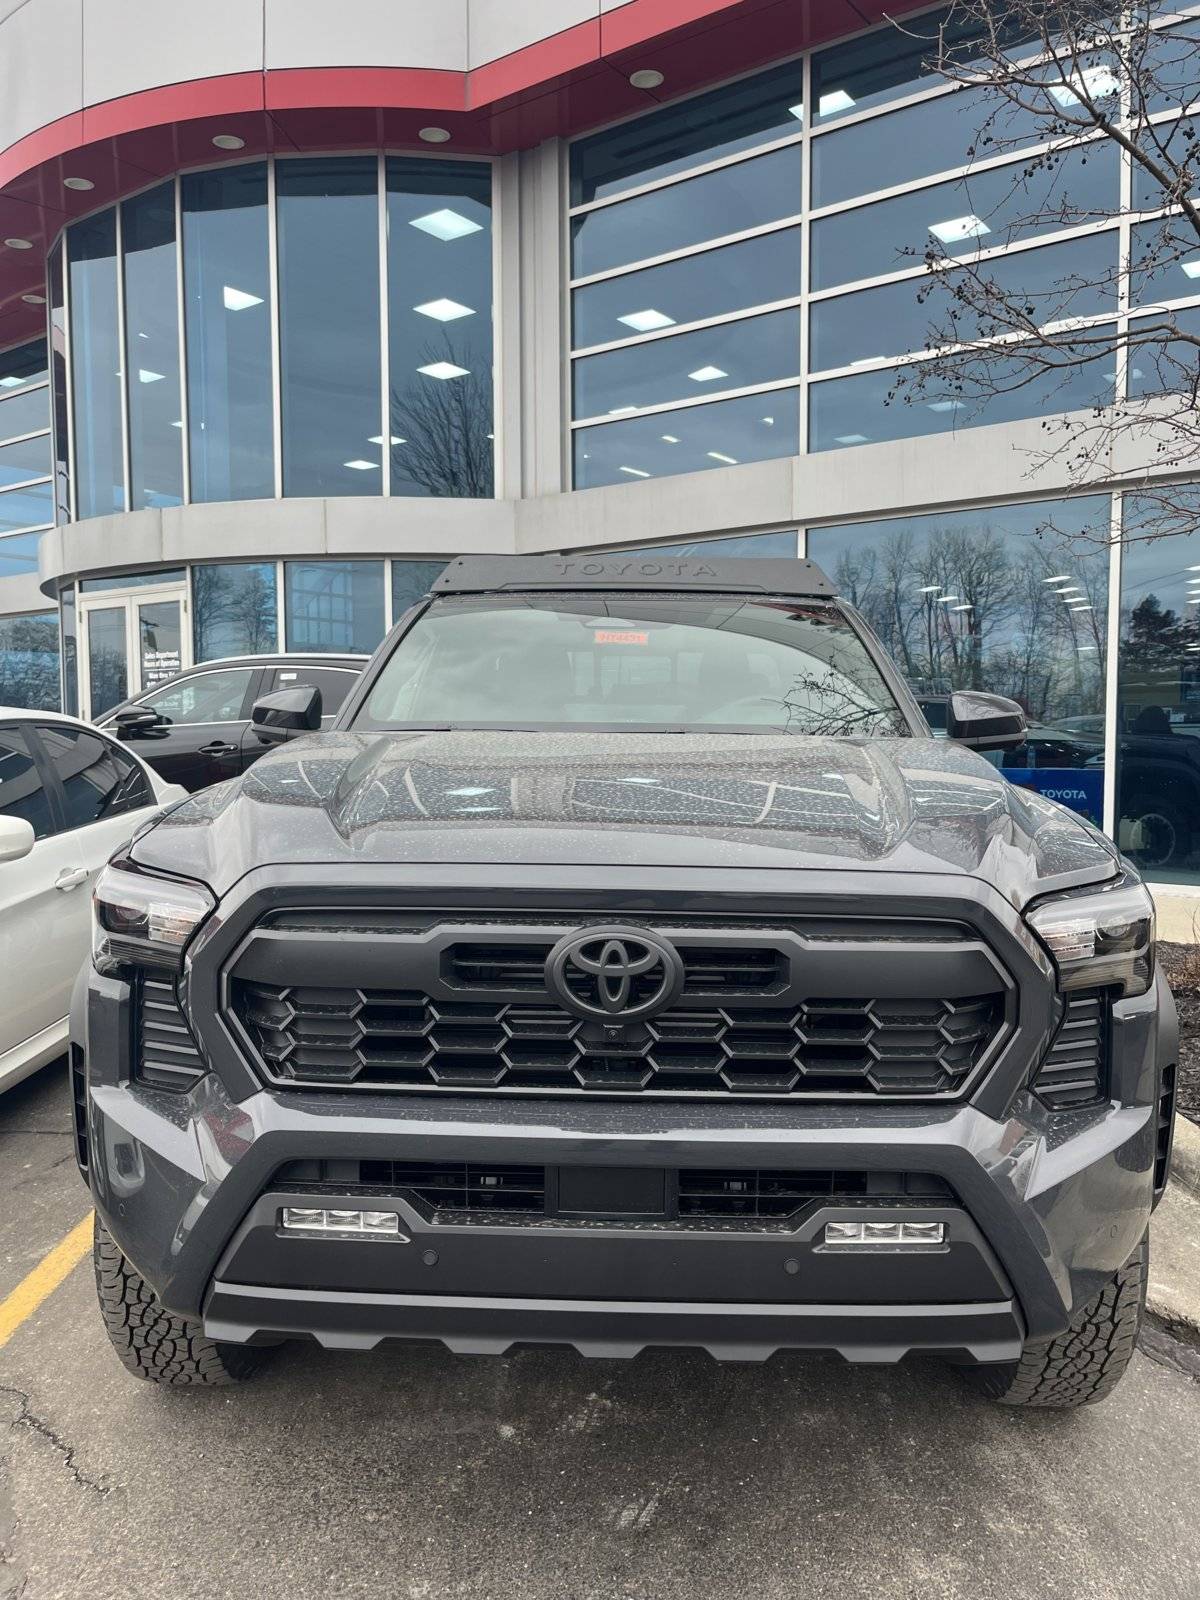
1085 1363
152 1342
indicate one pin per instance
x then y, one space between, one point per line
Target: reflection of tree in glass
830 706
446 426
29 664
233 605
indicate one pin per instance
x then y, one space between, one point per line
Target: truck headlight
144 919
1100 937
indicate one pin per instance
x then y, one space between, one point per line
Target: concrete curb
1185 1161
1173 1293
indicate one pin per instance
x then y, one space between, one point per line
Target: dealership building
298 301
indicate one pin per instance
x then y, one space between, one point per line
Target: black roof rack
489 574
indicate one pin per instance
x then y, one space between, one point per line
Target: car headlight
1100 937
144 919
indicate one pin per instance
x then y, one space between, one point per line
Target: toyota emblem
615 974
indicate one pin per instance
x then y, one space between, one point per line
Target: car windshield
692 664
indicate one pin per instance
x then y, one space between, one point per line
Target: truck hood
681 800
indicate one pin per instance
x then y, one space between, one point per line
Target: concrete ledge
1173 1295
1185 1159
1178 912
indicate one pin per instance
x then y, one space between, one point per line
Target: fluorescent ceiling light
669 438
962 608
835 100
178 424
1065 577
146 376
444 370
1100 82
1194 569
929 588
362 466
445 224
797 112
377 438
730 461
769 422
1191 268
239 299
646 321
634 472
945 599
707 374
955 229
620 411
445 310
850 438
945 405
10 382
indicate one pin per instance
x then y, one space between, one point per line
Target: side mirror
140 723
17 839
985 721
277 716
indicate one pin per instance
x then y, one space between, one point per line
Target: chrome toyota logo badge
615 974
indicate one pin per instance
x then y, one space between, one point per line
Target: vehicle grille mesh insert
403 1040
166 1053
1074 1071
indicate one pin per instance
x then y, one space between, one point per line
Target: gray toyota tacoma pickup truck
628 966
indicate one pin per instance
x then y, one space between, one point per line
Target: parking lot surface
423 1475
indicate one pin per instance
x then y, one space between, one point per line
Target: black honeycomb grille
372 1039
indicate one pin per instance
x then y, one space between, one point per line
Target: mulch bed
1181 963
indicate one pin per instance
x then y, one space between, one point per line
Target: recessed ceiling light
19 244
34 299
646 78
445 224
945 405
1100 82
377 438
228 141
1191 268
434 135
444 310
850 438
362 466
9 382
146 376
444 370
634 472
239 299
670 438
956 229
730 461
646 321
82 184
707 374
835 100
769 422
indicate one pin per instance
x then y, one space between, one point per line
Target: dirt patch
1181 963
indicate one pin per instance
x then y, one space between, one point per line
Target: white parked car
69 797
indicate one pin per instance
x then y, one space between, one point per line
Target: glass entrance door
130 644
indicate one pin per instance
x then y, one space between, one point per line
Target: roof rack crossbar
617 572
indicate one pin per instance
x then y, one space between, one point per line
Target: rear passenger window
21 791
208 697
98 779
333 683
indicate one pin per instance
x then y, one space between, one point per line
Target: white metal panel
367 33
129 45
41 66
498 27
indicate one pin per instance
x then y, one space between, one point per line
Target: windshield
692 664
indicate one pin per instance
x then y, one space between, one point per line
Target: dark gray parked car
629 966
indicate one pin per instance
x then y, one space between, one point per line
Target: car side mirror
277 716
139 722
17 839
985 721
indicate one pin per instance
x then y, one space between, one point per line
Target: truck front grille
1074 1071
166 1054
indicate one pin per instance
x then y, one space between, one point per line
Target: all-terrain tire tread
1083 1364
152 1342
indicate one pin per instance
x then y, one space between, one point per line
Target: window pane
26 508
99 780
1158 694
235 610
24 413
412 581
894 234
1163 365
58 329
733 198
1073 279
21 792
935 136
728 356
28 459
329 325
333 683
701 129
96 366
70 648
859 410
439 220
107 657
1012 600
1173 65
756 545
23 365
29 661
755 272
334 605
19 556
152 348
227 296
758 427
133 580
207 697
1164 262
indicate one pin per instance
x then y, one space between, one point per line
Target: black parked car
196 729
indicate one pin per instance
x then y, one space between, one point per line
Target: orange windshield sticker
611 636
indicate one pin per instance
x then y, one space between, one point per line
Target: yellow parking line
44 1279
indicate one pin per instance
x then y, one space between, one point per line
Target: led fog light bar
360 1224
872 1235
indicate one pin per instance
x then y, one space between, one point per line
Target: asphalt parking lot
422 1475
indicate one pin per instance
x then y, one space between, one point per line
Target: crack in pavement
28 1418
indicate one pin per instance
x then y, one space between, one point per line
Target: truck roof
618 572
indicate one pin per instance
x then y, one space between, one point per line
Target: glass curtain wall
152 349
29 675
746 279
26 457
